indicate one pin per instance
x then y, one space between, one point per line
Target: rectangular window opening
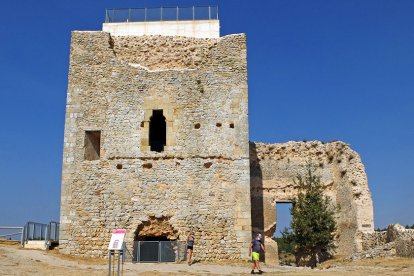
157 131
283 217
92 145
283 220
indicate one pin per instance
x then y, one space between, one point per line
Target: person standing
190 246
254 250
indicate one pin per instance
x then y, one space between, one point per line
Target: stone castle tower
156 142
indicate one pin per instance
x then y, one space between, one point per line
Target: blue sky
318 70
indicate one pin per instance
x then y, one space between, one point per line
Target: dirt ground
17 261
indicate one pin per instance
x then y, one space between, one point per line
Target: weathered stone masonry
274 166
199 182
207 178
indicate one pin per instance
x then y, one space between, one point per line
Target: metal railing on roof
162 14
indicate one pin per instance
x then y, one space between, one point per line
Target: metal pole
50 234
177 14
178 252
193 13
159 251
139 252
161 13
209 13
11 227
122 260
25 233
145 15
22 237
46 237
11 234
119 259
109 263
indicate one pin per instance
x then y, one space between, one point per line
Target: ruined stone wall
199 182
156 54
395 241
274 166
373 239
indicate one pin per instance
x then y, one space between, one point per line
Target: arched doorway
155 240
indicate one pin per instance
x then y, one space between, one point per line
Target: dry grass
80 260
9 242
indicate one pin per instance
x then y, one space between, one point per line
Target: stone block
404 247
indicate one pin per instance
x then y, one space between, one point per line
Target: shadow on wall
256 193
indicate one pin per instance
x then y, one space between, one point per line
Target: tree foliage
409 227
283 246
313 225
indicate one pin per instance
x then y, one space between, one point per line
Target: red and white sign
117 239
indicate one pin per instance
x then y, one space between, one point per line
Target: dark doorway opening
157 131
157 238
157 249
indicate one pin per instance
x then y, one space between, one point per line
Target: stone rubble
396 241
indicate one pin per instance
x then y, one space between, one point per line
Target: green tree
313 223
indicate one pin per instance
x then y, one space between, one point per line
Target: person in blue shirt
255 247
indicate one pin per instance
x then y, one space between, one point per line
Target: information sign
117 239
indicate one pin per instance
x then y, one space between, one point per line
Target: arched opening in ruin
157 131
155 240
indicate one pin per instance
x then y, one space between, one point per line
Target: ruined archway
155 240
156 229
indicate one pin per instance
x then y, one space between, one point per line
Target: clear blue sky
323 70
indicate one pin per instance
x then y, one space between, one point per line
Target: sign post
116 244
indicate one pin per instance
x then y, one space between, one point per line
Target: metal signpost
116 244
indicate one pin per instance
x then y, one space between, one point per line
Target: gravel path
17 261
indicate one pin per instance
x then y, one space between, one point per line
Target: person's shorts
255 256
190 247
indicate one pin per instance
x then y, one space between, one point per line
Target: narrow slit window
157 131
92 145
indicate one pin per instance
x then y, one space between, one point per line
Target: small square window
92 145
